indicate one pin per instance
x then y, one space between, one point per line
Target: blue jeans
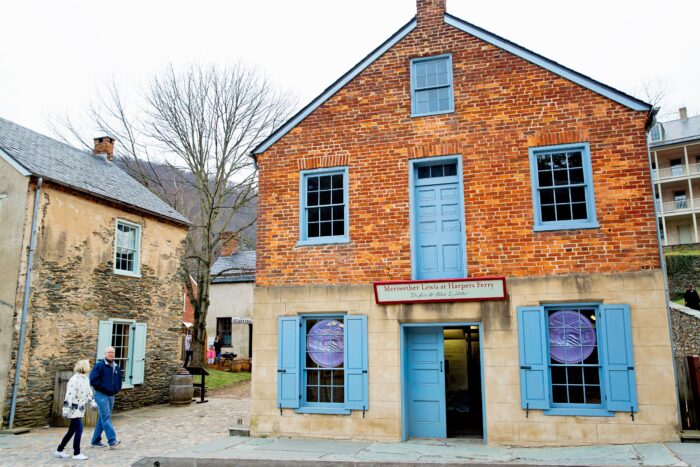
105 404
75 430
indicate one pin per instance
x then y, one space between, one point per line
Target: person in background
211 354
692 300
106 379
78 395
218 343
188 347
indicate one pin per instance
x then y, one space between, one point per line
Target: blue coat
106 380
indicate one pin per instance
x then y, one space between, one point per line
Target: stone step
239 430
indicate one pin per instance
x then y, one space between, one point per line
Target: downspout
25 303
667 299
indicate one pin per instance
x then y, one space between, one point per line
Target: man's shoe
80 457
116 443
61 454
98 445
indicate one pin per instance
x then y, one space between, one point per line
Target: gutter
25 303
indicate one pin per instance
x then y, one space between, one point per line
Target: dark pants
188 356
218 356
75 430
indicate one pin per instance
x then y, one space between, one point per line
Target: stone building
105 271
457 238
230 312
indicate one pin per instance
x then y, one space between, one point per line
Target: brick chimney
683 113
229 243
430 10
104 145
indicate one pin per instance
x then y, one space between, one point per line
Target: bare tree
201 124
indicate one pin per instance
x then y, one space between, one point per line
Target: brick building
457 238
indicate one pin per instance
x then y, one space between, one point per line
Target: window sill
563 411
415 115
323 410
324 241
127 274
567 226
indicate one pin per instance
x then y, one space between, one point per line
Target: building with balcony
675 153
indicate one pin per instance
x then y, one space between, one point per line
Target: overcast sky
56 55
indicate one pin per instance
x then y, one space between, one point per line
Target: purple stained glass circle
325 343
572 336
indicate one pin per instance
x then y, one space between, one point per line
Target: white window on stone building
127 248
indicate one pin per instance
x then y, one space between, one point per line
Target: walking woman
78 396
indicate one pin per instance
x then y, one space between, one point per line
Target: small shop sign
443 290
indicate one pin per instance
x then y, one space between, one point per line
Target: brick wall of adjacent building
503 105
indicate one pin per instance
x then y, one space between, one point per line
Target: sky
56 56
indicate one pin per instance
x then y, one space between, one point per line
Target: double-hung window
129 341
322 363
431 85
223 329
127 246
324 206
562 187
576 359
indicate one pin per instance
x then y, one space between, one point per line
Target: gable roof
238 267
679 131
80 170
578 78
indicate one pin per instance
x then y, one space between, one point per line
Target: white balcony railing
678 206
676 171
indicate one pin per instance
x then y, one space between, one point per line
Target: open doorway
463 382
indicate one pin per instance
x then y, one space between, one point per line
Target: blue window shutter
618 361
288 364
139 354
534 372
356 377
104 338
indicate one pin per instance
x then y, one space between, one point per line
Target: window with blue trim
322 363
562 187
576 359
431 85
324 206
656 133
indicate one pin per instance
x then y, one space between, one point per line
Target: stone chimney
430 10
229 243
683 113
104 145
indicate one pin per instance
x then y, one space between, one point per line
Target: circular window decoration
572 336
325 343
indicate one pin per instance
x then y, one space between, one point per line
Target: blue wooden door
438 224
425 374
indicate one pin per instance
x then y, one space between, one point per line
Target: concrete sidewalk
240 451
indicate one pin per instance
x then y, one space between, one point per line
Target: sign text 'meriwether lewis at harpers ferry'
443 290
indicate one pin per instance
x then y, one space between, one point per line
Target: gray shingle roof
72 167
238 267
677 131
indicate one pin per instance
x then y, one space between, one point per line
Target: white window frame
137 259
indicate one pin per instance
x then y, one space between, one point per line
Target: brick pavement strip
146 432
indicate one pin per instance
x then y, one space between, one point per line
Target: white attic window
656 133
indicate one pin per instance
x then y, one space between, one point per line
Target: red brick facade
503 105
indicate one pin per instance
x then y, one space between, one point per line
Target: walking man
106 379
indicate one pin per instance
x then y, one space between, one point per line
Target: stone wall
74 287
686 332
507 422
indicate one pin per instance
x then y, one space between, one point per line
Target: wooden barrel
181 388
59 394
245 364
236 366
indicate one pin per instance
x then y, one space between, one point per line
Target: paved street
150 431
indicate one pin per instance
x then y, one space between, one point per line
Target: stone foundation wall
506 421
74 287
686 333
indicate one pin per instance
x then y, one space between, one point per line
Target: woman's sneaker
61 454
80 457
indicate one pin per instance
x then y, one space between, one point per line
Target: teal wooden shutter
356 377
139 354
288 362
618 361
534 371
104 338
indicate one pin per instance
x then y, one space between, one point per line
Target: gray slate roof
238 267
80 170
678 131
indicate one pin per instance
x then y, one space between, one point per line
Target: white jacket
78 396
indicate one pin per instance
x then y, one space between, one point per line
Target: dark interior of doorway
463 382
